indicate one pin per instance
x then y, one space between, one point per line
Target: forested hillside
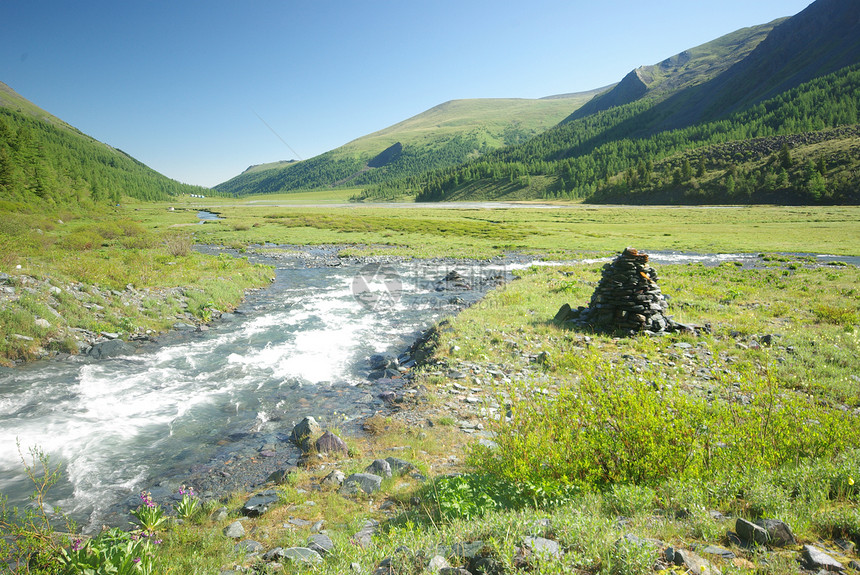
581 157
445 135
45 161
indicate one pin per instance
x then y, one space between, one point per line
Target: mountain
44 160
802 77
690 67
445 135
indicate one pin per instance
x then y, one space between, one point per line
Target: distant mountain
445 135
638 137
44 160
689 68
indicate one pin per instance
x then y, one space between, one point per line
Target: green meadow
605 436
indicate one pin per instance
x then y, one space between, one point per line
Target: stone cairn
627 298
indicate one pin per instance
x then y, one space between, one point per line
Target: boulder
248 547
379 467
235 530
304 432
366 482
293 554
335 478
542 547
779 533
816 559
750 532
321 543
328 442
690 561
110 348
260 503
399 466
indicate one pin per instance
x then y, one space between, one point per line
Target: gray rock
779 533
640 541
304 432
111 348
43 323
542 546
693 562
751 532
399 466
297 522
321 543
436 563
721 552
364 537
219 514
281 475
453 571
235 530
330 443
379 467
815 558
110 335
4 278
382 361
248 547
318 526
466 550
260 503
367 482
335 478
182 326
300 555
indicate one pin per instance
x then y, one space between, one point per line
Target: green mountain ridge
781 87
445 135
680 71
44 160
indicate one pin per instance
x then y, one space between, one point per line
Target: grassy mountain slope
445 135
43 160
579 157
689 68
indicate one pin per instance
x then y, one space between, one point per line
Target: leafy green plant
188 506
113 552
150 516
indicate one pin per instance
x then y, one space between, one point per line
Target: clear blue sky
180 84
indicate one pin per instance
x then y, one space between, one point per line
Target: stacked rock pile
627 298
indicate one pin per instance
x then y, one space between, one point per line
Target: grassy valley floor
617 449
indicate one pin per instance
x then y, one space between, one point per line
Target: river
299 347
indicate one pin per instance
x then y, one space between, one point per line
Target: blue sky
182 85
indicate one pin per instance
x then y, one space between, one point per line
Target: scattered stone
335 478
43 323
235 530
436 563
399 466
304 431
296 522
691 561
379 467
219 514
815 558
330 443
281 475
367 482
293 554
321 543
542 546
248 547
751 532
260 503
779 532
111 348
720 552
364 537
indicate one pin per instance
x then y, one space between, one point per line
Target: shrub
178 244
81 240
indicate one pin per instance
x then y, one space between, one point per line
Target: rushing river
297 348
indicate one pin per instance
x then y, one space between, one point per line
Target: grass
789 446
562 231
76 269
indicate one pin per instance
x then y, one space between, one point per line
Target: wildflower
136 560
77 545
146 498
850 481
